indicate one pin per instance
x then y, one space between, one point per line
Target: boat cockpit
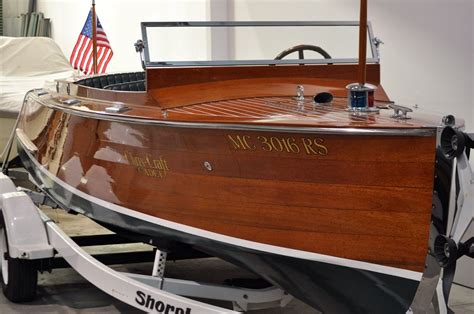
186 63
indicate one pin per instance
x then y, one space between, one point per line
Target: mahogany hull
358 198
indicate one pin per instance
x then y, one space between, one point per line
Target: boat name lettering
291 145
148 165
150 303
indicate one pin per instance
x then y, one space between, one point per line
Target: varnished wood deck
286 110
279 111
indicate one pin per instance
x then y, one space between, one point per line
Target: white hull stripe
256 246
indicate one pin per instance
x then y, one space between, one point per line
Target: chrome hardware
377 42
139 45
140 48
207 165
70 101
118 107
400 112
449 120
299 93
40 92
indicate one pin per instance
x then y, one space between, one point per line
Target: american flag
81 56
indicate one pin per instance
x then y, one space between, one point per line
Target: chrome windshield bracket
140 48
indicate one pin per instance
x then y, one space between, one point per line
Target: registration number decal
290 145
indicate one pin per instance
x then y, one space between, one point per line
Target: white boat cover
27 63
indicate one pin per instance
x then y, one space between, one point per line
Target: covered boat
26 63
332 192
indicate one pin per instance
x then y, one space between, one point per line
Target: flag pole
361 94
94 39
363 43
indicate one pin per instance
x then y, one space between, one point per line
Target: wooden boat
333 204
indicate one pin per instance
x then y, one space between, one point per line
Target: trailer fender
6 184
25 230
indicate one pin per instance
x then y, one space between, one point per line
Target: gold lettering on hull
314 146
290 145
147 165
241 142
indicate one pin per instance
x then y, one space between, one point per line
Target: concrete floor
65 291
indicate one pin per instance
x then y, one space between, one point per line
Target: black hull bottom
324 286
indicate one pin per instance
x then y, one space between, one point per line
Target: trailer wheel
19 276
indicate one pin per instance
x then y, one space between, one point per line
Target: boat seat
134 86
133 80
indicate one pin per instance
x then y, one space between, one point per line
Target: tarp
27 63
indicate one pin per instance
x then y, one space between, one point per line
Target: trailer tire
19 277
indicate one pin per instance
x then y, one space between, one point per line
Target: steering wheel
301 49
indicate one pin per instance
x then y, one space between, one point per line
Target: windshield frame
375 59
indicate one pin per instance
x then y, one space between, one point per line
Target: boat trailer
29 236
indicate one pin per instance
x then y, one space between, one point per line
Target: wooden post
94 39
363 42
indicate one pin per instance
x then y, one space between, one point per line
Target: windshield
229 43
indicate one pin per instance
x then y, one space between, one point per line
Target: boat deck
273 111
287 110
249 95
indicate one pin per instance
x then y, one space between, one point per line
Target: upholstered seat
134 86
133 81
